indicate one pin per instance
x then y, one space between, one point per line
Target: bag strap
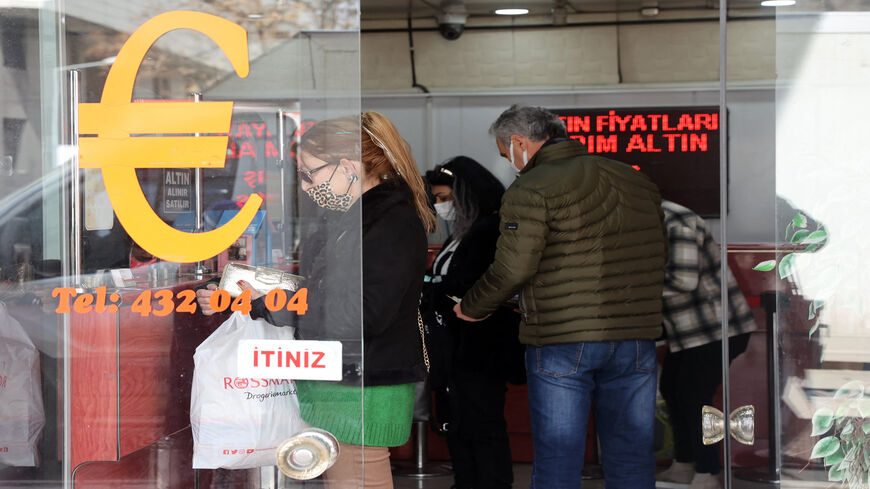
423 339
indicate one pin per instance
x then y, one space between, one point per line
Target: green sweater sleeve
524 230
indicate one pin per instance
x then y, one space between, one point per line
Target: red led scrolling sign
677 147
626 132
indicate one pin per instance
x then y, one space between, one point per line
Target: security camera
451 20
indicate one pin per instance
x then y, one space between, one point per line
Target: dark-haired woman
475 359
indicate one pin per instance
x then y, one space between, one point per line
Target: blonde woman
350 167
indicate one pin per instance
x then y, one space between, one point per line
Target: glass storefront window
821 61
103 180
150 149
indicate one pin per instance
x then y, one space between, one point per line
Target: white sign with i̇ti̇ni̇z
290 359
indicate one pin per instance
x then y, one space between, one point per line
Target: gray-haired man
583 242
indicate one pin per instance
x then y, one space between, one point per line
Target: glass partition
152 148
151 161
820 179
805 269
749 239
640 88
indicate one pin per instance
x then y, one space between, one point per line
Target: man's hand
458 310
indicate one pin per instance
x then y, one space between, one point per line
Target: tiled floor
522 477
522 474
523 471
795 479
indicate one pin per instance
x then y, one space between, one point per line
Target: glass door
822 58
804 370
150 165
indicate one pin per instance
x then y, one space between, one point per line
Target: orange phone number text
163 302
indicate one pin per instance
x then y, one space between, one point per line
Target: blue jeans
619 378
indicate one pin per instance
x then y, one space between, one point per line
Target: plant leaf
835 474
799 220
786 267
799 235
814 328
866 429
835 457
814 307
815 237
765 266
864 407
853 388
826 446
842 411
848 429
844 465
823 419
850 455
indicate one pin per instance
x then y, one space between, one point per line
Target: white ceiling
397 9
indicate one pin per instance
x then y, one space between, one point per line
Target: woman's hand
203 297
246 286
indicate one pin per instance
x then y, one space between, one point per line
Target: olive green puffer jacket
583 237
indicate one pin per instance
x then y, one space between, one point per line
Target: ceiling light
777 3
512 11
255 16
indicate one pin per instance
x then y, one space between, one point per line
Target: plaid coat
692 304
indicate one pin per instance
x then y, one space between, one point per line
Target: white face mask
511 155
446 211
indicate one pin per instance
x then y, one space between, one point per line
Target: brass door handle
307 454
741 424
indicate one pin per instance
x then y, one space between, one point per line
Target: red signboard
677 147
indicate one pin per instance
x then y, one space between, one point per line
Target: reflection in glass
127 372
821 180
22 416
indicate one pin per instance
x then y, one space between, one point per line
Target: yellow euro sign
117 153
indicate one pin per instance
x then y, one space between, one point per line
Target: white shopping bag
22 415
238 422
